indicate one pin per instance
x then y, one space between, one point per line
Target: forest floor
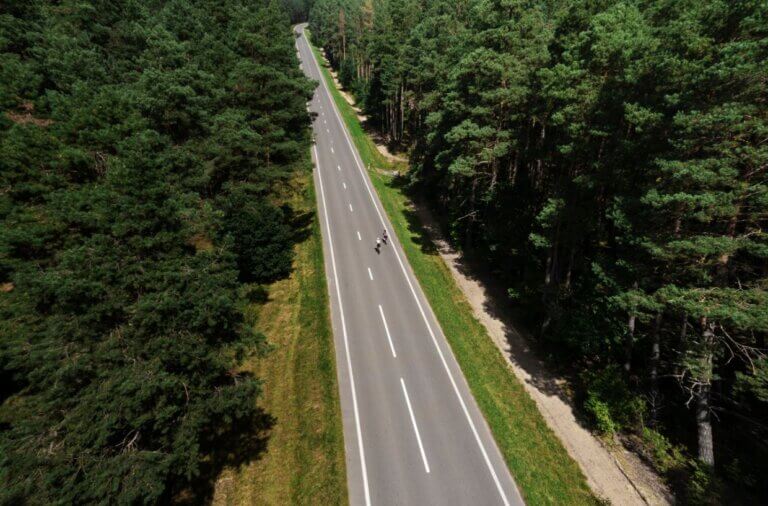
304 459
613 473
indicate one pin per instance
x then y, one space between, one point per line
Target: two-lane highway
413 433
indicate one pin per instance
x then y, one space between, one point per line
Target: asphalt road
413 433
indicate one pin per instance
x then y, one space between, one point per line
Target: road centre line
358 236
344 334
464 408
415 427
370 275
350 208
344 185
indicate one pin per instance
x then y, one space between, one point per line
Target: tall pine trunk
654 396
629 338
703 414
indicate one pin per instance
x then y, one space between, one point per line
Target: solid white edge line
344 333
370 275
386 329
359 164
415 427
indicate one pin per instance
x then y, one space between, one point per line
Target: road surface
412 431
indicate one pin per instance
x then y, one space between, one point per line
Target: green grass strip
540 464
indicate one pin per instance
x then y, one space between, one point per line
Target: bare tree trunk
654 372
468 241
402 112
704 426
513 171
684 328
548 270
629 338
703 416
343 32
393 121
555 274
569 271
549 279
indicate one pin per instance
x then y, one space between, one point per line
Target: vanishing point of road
413 433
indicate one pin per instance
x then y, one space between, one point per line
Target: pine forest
607 161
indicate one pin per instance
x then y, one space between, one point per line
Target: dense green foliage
297 9
608 161
141 145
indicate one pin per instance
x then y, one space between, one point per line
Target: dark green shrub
702 487
257 294
665 456
261 235
601 413
610 402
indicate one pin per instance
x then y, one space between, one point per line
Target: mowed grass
304 459
539 463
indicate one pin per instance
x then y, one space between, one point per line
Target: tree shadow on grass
242 442
301 223
418 233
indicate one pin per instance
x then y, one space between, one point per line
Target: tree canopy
143 146
607 161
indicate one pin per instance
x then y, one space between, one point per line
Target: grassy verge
304 460
538 461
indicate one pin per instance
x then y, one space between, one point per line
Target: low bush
610 402
665 456
601 413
